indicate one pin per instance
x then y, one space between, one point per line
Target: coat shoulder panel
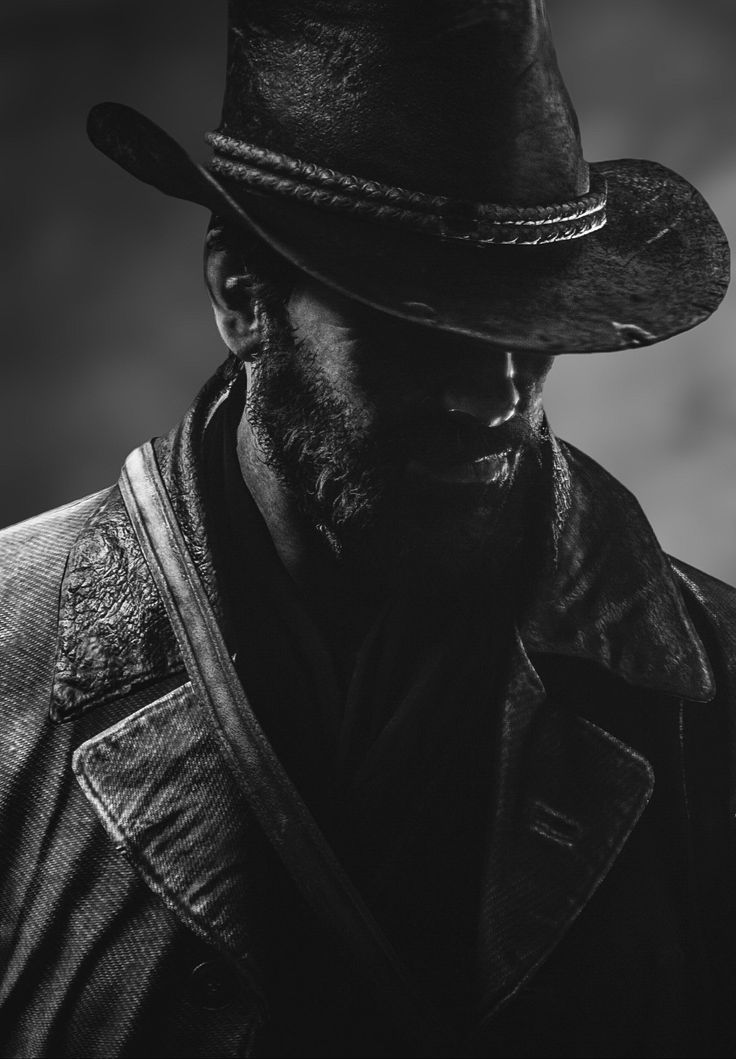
33 556
27 546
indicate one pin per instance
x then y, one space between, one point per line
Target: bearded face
404 451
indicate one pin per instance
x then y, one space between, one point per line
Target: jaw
442 537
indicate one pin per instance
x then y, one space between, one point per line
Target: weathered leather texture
138 904
133 644
455 112
109 593
461 100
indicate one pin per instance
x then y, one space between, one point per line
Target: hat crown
453 97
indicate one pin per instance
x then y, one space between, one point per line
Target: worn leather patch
114 635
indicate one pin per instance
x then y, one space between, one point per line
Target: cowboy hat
423 157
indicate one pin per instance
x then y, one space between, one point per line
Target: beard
349 484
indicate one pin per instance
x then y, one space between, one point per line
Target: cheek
394 381
346 379
371 385
330 352
342 376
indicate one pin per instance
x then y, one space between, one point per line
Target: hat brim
658 267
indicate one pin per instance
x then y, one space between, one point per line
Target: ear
231 294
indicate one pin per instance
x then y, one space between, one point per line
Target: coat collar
567 794
114 636
610 597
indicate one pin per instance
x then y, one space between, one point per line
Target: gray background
105 328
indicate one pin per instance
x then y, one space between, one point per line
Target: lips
455 439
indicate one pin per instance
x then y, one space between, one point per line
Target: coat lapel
163 792
568 795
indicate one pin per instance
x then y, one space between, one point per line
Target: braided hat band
477 222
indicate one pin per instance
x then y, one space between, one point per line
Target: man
380 724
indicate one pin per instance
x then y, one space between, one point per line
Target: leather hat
424 157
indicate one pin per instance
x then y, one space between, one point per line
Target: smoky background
105 327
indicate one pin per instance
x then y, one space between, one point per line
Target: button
213 986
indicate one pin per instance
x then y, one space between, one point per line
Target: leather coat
134 882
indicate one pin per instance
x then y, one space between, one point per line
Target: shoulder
712 603
715 595
608 505
45 536
33 556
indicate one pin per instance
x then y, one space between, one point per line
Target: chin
439 545
438 531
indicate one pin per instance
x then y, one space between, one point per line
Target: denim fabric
142 912
93 963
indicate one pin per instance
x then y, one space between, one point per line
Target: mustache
452 437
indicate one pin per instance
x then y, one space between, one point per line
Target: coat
136 890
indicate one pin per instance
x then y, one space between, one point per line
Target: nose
489 394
